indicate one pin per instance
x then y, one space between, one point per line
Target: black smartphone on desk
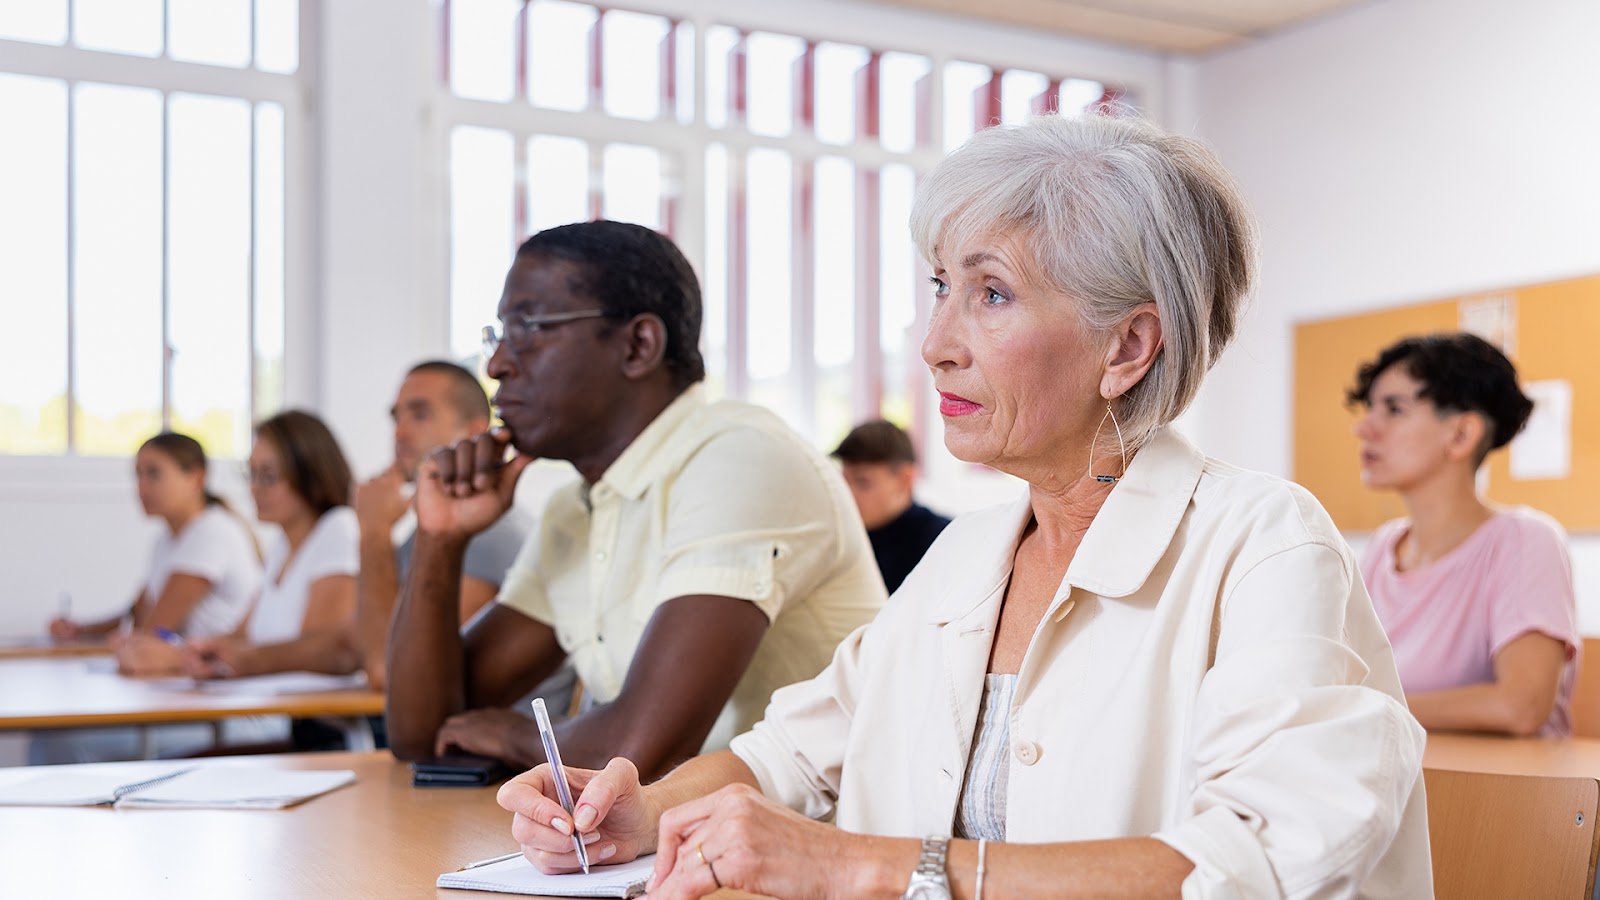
458 770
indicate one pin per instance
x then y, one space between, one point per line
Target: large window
786 174
143 247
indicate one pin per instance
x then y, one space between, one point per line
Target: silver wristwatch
928 880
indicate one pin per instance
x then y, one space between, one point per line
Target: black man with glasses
706 556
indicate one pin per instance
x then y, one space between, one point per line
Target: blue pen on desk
563 792
176 640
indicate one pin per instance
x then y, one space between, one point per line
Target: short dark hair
878 441
1459 372
631 270
314 466
466 392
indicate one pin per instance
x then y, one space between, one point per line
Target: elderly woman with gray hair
1152 675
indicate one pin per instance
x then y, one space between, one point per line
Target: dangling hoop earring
1108 479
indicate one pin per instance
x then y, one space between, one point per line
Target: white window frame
292 92
1142 76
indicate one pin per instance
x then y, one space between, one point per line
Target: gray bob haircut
1115 212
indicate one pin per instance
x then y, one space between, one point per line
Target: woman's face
275 500
164 488
1404 438
1018 375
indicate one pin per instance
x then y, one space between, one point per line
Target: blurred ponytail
188 455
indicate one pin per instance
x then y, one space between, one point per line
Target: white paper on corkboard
1544 448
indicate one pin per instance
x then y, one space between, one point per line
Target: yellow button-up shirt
1289 768
719 499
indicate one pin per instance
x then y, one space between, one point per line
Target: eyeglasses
519 328
262 477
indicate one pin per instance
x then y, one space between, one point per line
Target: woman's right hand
64 630
610 811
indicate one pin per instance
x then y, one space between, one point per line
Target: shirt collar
1127 539
642 463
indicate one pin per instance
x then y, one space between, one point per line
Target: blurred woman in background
1477 600
300 482
205 568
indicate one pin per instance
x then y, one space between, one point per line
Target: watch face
928 891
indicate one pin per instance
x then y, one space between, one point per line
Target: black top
900 544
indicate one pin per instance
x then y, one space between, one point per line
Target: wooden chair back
1497 836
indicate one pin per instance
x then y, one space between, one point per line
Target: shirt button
600 556
1027 752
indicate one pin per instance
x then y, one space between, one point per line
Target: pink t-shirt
1448 619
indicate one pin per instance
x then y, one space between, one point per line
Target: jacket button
1027 752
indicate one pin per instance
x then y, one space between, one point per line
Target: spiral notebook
518 876
169 787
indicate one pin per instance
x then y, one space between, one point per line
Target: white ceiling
1171 26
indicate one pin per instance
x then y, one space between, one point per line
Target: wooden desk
1513 756
78 692
379 837
31 647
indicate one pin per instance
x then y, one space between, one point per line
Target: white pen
563 792
490 862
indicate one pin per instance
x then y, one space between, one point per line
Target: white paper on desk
281 683
518 876
1544 448
72 786
238 787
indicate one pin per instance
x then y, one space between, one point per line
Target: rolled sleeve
797 750
1535 594
751 519
1303 772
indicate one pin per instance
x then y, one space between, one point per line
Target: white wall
1400 152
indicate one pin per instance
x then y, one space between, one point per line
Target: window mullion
251 369
72 255
166 261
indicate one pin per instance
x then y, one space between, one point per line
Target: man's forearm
425 682
377 585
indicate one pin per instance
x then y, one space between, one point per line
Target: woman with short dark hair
1478 600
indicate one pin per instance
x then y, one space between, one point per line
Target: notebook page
72 786
238 787
518 876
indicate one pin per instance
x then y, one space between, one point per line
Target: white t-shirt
330 549
216 546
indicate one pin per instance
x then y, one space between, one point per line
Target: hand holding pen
558 774
199 662
611 815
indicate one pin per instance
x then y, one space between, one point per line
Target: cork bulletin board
1552 333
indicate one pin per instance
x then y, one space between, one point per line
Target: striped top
982 810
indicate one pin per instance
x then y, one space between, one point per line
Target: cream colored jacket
1288 768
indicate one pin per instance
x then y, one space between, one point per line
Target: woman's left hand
737 838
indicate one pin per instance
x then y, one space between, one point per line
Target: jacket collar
1127 539
1135 527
